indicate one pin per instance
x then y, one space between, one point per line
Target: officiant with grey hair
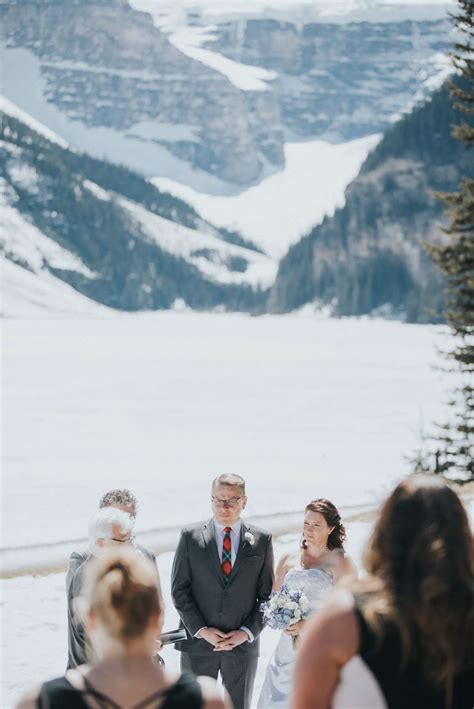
122 499
108 528
222 571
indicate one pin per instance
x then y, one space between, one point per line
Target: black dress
59 693
404 686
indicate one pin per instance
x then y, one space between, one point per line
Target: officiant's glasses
231 502
127 540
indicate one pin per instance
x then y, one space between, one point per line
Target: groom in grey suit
222 571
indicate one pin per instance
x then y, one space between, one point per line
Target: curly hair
333 519
420 564
120 497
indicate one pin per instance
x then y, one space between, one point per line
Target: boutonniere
249 538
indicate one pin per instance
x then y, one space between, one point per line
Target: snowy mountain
256 113
208 94
369 256
109 234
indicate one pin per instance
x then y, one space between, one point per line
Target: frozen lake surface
301 406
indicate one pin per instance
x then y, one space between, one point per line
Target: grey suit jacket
77 639
203 598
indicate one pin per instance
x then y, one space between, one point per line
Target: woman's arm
330 640
285 564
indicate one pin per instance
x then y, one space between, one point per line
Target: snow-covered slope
278 211
22 242
27 294
212 256
110 233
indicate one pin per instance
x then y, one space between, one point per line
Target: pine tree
455 259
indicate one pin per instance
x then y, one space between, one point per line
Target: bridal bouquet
285 608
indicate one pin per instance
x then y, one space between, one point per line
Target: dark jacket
203 598
77 640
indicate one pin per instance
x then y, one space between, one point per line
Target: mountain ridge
369 256
115 237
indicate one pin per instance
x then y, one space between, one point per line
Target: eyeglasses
122 541
231 502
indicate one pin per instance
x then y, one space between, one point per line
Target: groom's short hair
230 479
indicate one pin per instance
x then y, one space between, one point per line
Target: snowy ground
162 402
300 405
34 642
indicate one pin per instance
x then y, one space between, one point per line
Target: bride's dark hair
333 519
421 571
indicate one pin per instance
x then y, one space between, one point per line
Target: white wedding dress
316 584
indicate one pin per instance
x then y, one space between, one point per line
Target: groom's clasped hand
223 641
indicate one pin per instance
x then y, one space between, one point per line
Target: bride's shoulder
342 564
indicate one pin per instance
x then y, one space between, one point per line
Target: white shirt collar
236 527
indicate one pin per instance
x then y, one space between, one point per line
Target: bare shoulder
30 699
212 696
343 566
334 628
347 563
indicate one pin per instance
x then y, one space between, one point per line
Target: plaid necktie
226 563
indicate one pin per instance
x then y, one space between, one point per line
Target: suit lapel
209 535
241 552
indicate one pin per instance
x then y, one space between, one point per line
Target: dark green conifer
454 256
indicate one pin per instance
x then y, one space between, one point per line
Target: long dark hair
333 519
421 576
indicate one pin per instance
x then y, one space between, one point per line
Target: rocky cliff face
197 101
369 256
341 81
106 66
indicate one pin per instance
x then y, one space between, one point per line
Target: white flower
249 538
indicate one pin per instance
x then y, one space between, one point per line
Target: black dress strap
105 702
185 693
59 693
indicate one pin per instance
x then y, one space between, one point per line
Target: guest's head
228 498
323 529
110 527
122 499
124 604
421 570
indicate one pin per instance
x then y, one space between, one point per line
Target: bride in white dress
320 563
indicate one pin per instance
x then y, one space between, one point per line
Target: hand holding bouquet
285 608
